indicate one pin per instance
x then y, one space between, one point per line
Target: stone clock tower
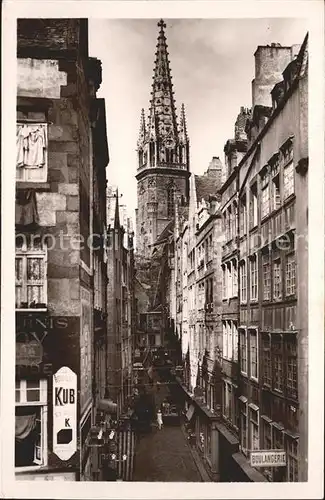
163 156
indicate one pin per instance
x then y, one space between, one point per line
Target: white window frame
266 263
234 278
43 170
243 281
229 280
243 411
252 423
224 340
224 281
288 180
243 331
229 340
43 405
253 265
276 192
278 281
26 252
235 341
290 274
252 332
265 201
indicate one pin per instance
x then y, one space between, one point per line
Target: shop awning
190 412
107 405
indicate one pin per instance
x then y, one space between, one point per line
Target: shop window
292 459
243 427
32 152
31 423
267 444
30 274
279 473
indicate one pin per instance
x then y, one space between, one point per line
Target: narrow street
165 456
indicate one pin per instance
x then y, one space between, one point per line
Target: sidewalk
197 459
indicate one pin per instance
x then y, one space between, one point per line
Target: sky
212 67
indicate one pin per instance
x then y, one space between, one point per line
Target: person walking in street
159 419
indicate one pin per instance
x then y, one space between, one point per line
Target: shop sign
29 353
268 458
64 413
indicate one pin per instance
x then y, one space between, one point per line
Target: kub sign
64 413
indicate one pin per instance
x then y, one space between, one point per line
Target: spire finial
161 25
142 131
117 212
183 127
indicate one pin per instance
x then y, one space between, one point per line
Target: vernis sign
64 413
268 458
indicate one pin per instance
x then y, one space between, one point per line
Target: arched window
181 154
170 201
152 153
140 157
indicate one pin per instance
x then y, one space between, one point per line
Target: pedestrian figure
159 419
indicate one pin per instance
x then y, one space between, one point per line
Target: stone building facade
163 156
60 278
120 308
264 206
198 239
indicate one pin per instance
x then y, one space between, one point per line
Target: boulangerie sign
64 413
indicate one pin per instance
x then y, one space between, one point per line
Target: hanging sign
64 413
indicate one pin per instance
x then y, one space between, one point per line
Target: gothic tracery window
170 200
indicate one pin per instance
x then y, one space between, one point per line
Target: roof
206 186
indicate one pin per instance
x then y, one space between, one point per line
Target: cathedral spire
162 112
117 212
142 132
183 127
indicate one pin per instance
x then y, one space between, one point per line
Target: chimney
270 61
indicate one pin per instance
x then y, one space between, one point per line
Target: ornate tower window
140 158
171 200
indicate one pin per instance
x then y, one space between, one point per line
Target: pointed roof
183 127
142 131
117 213
162 112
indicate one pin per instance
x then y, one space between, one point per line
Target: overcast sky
212 64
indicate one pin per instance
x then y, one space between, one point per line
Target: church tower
163 155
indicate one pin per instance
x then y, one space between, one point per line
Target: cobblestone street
164 456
